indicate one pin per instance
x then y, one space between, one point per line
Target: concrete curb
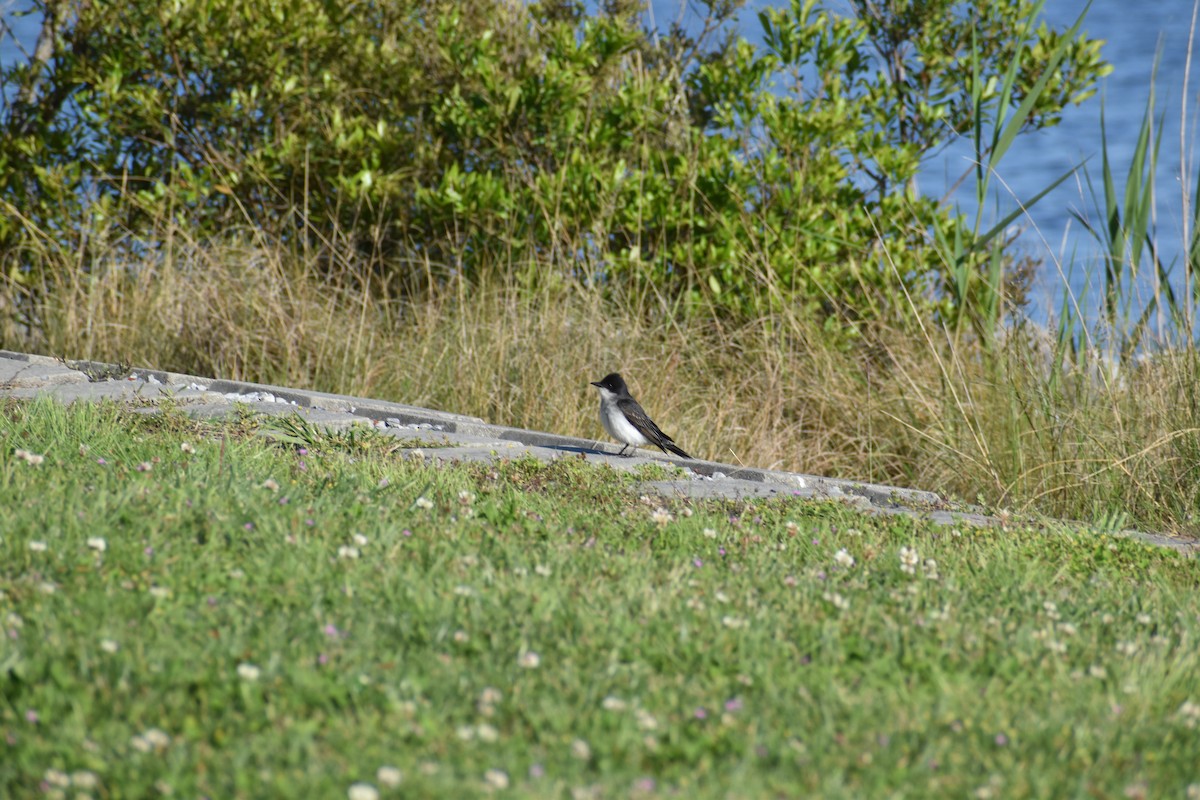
461 438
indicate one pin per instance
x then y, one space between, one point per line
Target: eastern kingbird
626 421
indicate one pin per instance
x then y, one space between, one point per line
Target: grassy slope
927 412
541 621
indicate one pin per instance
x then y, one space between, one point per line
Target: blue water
1133 32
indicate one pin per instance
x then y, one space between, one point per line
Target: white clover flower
909 558
362 791
84 779
424 502
248 672
348 552
150 740
542 570
931 569
271 485
490 695
843 558
97 543
710 533
529 660
836 600
496 778
157 738
1189 713
645 720
730 621
109 646
390 777
56 777
38 546
360 540
581 750
466 498
486 733
612 703
661 516
32 459
1097 671
159 592
187 447
465 732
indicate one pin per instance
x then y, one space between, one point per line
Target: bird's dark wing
638 418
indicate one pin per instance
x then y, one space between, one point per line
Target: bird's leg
623 449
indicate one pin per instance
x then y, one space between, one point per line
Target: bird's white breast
617 426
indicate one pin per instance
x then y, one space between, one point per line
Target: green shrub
492 134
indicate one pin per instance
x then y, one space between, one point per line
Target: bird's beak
596 383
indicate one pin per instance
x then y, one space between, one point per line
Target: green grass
548 622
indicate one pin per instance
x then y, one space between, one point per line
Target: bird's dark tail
668 446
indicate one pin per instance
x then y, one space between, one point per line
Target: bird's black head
613 382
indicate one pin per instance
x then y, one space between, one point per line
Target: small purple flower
700 713
300 465
249 526
322 659
332 631
302 451
1001 740
698 563
212 601
721 550
816 541
148 551
283 501
536 771
102 462
734 704
644 784
310 522
406 532
32 717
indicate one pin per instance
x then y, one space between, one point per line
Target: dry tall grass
1018 428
